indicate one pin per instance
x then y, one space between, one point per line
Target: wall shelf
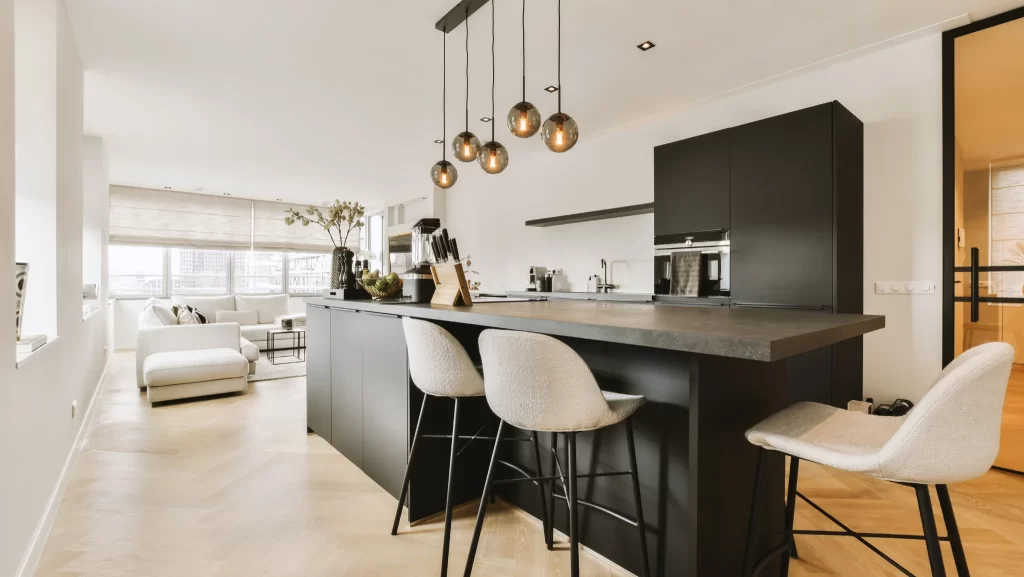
619 212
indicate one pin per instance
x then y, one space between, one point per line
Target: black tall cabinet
792 186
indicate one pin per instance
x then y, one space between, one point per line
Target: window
257 272
199 272
136 270
308 273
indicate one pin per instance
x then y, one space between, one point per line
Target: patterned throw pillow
189 315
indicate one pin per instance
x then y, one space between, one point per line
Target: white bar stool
951 436
440 367
536 382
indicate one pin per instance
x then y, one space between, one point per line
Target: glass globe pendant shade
560 132
444 174
465 146
493 157
524 120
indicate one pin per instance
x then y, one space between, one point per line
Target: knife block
450 286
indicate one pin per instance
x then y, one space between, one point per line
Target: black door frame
949 268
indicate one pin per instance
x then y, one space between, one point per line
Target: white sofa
159 331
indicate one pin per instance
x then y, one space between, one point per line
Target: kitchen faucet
604 286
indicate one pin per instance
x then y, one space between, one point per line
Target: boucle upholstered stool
538 383
441 368
951 436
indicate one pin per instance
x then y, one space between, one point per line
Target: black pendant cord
444 92
467 67
493 2
524 50
559 56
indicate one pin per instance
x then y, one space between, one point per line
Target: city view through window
163 272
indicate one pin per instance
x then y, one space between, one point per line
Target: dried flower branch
342 218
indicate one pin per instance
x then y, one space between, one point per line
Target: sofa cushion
181 367
240 317
156 314
188 315
208 305
258 332
267 306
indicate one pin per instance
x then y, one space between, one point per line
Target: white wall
37 432
95 214
895 91
126 319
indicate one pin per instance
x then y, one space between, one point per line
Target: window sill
21 359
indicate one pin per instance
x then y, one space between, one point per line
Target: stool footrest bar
604 510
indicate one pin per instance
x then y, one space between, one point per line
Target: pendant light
524 118
466 145
443 173
560 131
493 157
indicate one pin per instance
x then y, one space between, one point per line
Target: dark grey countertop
584 296
757 334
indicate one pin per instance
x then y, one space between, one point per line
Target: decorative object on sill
443 174
90 291
29 343
524 118
343 218
20 289
493 157
381 287
560 131
466 145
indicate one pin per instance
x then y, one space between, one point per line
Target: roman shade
143 216
270 233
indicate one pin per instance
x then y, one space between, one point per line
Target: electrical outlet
905 287
74 408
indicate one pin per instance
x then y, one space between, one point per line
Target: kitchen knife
444 251
438 255
455 250
447 242
433 250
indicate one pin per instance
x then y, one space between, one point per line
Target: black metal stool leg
408 467
545 517
449 504
641 527
482 511
551 494
750 550
931 535
953 531
794 475
574 529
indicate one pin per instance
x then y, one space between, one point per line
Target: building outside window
199 272
258 272
308 273
136 271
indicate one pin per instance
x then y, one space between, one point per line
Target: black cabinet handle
781 306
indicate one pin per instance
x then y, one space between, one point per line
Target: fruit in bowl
381 287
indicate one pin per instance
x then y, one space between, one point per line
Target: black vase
337 265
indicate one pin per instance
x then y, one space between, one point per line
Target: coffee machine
418 281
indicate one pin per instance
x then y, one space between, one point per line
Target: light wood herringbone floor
233 486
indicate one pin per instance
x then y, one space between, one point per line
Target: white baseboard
27 568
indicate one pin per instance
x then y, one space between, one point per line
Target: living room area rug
285 369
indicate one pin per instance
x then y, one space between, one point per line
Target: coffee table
296 354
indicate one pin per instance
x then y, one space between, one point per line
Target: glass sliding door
983 92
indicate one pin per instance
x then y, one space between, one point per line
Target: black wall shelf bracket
619 212
458 14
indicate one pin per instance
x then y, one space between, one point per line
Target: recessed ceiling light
552 89
645 45
485 119
438 141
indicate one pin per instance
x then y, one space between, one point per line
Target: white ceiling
989 94
311 100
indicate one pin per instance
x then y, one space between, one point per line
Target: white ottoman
186 374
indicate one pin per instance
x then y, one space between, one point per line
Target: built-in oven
693 264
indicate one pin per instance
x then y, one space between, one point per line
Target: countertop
756 334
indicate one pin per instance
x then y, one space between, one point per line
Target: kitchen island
708 373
